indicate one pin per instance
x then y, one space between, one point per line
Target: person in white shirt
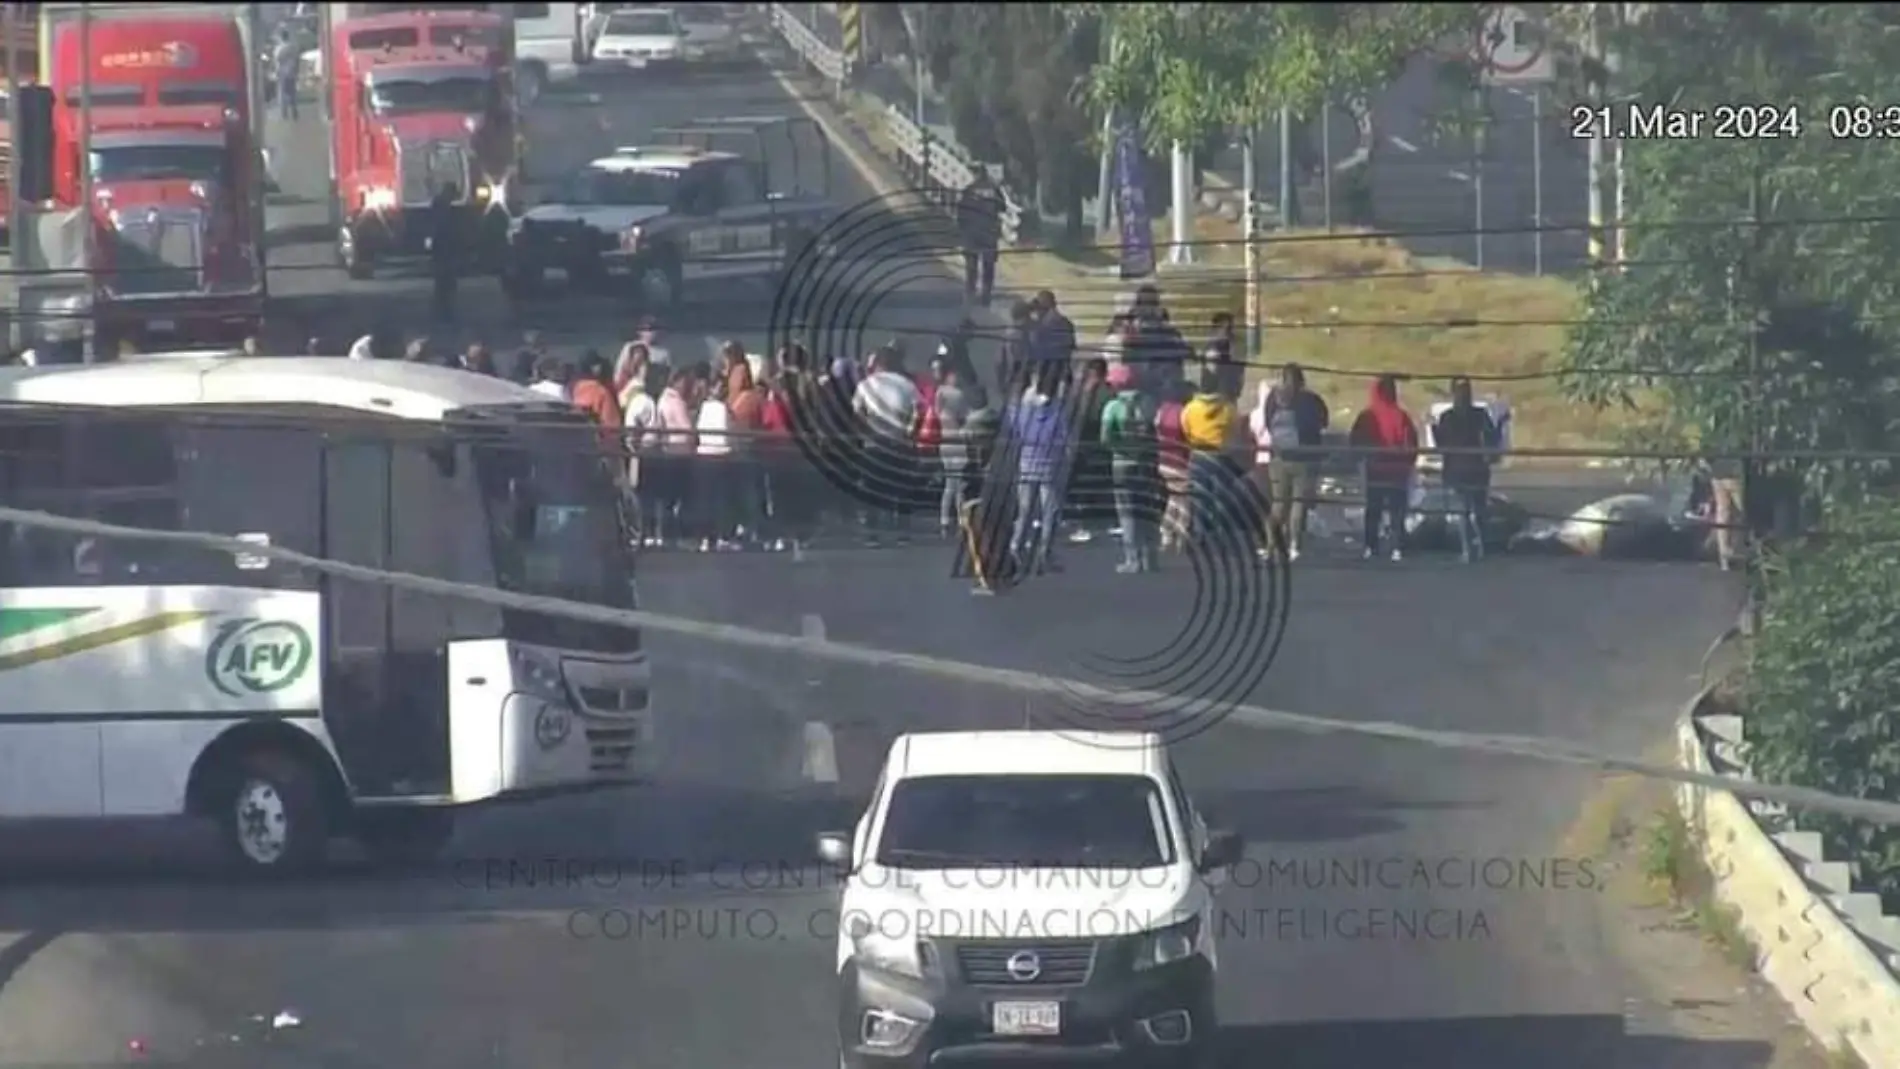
714 472
887 404
550 379
642 419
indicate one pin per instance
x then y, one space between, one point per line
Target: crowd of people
1142 438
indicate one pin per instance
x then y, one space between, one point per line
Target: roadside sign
1512 50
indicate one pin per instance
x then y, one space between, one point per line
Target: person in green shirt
1128 434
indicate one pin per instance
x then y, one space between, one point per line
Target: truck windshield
134 163
471 36
402 96
956 822
553 513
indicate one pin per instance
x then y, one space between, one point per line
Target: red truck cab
421 100
175 175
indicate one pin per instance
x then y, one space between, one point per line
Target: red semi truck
176 176
419 100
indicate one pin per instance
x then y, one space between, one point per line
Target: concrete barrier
1826 948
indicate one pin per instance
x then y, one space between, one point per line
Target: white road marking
821 753
1401 144
821 748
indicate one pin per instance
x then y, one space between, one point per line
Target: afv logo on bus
251 656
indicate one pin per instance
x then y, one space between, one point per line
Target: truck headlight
902 954
379 199
1165 946
536 675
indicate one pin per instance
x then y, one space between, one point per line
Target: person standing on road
980 211
1468 435
1128 434
951 404
284 63
593 394
1015 352
1052 340
444 249
550 379
1288 426
1389 441
887 404
1219 359
1208 423
1041 429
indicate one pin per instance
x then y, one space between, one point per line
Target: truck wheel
351 256
404 836
272 814
657 285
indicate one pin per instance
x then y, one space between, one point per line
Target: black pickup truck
656 221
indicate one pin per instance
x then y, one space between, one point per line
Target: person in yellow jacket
1214 431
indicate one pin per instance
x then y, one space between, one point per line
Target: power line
883 660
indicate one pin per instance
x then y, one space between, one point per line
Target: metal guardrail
925 158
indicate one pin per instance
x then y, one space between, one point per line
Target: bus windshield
553 512
401 96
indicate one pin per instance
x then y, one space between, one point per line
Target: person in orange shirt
593 393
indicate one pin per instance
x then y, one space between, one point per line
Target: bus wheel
404 836
273 814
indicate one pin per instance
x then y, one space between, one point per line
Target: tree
1823 686
1183 69
1759 308
1016 77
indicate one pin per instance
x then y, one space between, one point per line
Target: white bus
143 678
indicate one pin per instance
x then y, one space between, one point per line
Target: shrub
1823 686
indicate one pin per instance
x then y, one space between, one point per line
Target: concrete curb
1825 948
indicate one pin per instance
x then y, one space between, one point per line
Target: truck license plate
161 325
1027 1018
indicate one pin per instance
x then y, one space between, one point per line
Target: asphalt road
124 949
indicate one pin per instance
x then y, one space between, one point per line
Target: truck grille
157 252
1063 962
610 747
426 165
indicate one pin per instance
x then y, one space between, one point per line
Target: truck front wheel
351 255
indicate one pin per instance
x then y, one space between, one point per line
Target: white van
551 46
1023 894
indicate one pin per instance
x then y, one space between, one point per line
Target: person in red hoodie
1390 440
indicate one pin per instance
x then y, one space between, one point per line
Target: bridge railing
927 159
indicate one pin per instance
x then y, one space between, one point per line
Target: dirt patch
1682 950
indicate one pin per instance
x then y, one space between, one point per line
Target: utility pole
16 213
1289 196
1181 194
1250 231
1593 54
87 242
